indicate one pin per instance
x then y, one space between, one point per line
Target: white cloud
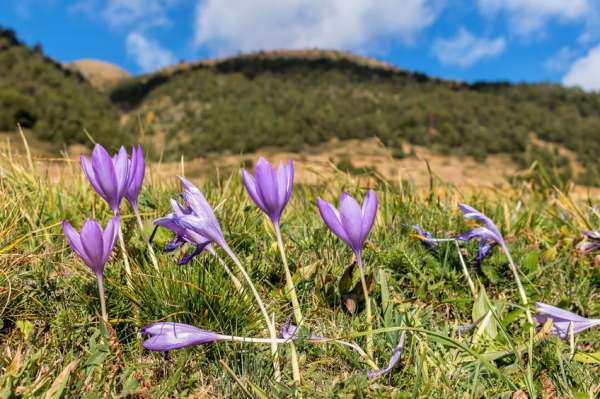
148 54
531 16
137 13
465 50
561 61
585 72
226 26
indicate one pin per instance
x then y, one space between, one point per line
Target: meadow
55 344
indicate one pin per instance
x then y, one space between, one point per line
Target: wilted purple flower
426 237
488 234
166 336
94 246
592 244
393 359
108 176
352 223
182 235
135 176
562 319
269 189
201 218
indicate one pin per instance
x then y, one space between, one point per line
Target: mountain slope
102 75
291 99
55 102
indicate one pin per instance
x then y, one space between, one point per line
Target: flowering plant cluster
195 225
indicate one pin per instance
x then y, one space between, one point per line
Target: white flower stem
263 310
136 211
100 280
125 258
363 281
291 291
466 270
515 272
234 279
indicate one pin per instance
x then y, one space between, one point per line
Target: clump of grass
52 343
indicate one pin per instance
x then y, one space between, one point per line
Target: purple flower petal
106 177
393 359
109 237
331 217
472 213
562 319
351 217
369 211
88 170
250 184
168 336
75 242
92 243
121 164
135 176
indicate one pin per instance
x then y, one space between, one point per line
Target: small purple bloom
94 246
562 319
269 189
201 219
351 223
426 237
135 176
468 327
488 234
393 359
166 336
592 244
108 176
290 331
182 234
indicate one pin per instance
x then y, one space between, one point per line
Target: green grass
53 344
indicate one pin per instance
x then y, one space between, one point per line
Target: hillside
102 75
294 100
291 99
55 102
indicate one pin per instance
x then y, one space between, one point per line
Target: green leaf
345 284
530 262
588 358
480 309
26 328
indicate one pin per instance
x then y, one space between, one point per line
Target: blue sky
515 40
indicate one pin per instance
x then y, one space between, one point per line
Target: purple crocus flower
201 219
426 237
351 223
108 176
269 189
182 234
592 244
393 359
94 246
562 319
135 176
166 336
488 234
